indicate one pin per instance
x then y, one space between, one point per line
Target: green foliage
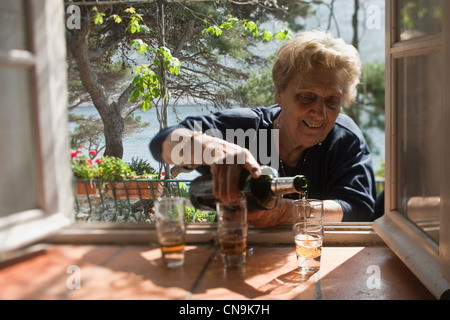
113 168
206 76
141 167
117 18
83 168
141 46
98 17
381 172
248 28
147 82
194 215
259 89
170 62
368 112
147 86
109 168
416 16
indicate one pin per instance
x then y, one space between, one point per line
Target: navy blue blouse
339 168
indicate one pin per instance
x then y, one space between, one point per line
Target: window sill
348 234
415 249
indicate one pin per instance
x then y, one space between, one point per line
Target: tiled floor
136 272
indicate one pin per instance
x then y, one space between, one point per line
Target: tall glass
232 230
170 226
308 234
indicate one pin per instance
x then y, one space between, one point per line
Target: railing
132 200
129 200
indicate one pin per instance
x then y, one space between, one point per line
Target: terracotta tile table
136 272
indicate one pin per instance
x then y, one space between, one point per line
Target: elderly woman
314 75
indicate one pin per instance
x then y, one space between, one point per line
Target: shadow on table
137 272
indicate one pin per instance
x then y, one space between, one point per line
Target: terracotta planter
135 189
86 187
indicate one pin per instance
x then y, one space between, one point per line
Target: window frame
429 261
53 221
48 95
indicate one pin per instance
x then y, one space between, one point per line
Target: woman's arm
226 160
282 214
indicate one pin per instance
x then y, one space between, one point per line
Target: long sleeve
340 169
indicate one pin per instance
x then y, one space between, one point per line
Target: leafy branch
147 81
249 27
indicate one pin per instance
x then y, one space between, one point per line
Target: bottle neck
281 186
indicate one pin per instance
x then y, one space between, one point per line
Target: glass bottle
263 193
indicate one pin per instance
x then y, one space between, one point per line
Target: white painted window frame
429 261
46 62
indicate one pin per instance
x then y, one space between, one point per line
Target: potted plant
85 171
144 171
125 182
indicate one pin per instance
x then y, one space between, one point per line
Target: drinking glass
308 234
308 210
232 230
170 227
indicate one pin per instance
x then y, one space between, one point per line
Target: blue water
137 144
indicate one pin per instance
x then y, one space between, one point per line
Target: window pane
419 140
18 186
417 18
13 25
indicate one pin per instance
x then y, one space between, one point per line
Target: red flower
93 152
74 154
98 161
90 161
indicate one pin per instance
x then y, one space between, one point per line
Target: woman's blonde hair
318 48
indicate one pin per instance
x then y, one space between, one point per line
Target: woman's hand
228 161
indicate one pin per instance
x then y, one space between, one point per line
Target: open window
416 224
35 189
35 186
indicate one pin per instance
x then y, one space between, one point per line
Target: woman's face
310 105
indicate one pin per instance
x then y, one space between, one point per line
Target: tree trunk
113 127
162 75
355 25
110 111
352 111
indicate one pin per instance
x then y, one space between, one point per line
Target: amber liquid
232 245
308 246
175 248
309 250
172 249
